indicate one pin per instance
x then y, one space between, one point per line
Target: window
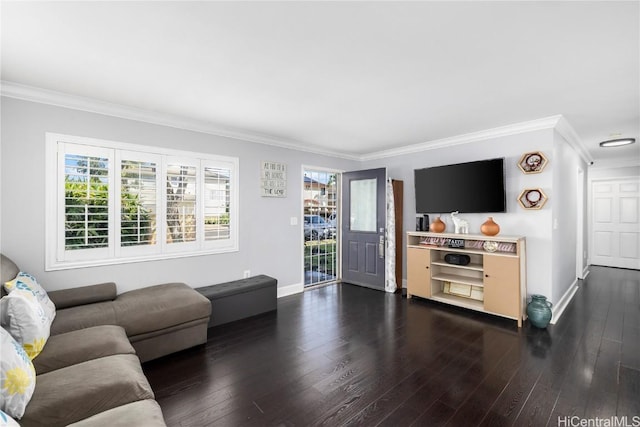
110 202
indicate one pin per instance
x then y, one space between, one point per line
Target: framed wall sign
273 179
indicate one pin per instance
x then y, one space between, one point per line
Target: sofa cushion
71 394
17 376
26 321
145 413
159 307
25 282
7 421
89 294
82 345
83 316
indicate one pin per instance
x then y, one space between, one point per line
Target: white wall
611 173
565 213
535 225
268 243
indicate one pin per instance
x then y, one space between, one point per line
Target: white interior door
615 223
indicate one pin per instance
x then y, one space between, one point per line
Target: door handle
381 247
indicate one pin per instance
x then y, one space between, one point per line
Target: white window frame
57 258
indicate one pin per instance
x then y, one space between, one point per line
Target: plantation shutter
217 202
86 206
138 202
181 207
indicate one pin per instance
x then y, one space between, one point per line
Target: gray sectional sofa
89 372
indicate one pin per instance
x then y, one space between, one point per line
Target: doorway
615 223
321 226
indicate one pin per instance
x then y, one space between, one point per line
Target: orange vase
489 227
437 226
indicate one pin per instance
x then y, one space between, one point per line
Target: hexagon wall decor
533 162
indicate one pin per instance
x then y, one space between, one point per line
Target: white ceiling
346 77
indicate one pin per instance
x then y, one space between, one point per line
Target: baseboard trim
559 308
285 291
585 272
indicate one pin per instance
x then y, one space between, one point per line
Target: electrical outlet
247 274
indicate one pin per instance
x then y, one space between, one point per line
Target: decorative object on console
532 198
456 243
457 289
473 244
533 162
457 259
507 247
490 246
422 223
539 311
437 226
461 225
490 227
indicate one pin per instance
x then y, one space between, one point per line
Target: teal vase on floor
539 311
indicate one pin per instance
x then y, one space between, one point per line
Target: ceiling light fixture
617 142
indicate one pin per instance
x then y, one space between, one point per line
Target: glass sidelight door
320 222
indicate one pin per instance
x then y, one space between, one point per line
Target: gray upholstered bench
241 298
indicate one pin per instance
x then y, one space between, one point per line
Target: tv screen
474 187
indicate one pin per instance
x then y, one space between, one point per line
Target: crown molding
569 134
513 129
45 96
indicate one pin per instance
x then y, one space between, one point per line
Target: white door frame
580 256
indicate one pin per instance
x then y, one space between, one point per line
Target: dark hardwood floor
346 355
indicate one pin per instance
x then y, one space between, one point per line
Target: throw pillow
27 283
17 377
25 320
7 421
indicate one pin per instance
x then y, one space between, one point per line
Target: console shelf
492 282
471 266
459 301
454 278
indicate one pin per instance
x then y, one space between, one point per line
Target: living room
544 77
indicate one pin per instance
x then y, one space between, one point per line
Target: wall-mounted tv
474 187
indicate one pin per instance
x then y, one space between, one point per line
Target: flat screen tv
474 187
